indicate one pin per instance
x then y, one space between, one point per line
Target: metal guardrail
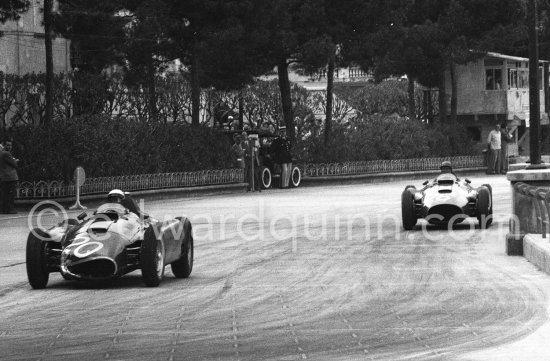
541 201
61 189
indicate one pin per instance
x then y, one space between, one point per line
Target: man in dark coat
280 153
8 179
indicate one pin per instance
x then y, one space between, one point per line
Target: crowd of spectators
248 154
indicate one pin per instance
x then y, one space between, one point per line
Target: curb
537 251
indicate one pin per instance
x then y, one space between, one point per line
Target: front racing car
110 244
446 200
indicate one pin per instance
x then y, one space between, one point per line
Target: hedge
108 147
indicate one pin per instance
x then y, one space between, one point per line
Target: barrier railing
61 189
541 201
386 166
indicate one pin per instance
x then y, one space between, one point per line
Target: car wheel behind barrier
266 177
295 177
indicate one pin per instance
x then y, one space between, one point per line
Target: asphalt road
319 273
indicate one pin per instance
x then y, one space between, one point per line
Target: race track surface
318 273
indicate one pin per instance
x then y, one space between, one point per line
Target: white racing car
446 200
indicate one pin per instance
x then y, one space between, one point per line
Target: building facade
22 49
495 90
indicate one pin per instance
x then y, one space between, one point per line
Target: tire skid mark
235 331
354 333
285 307
119 331
177 333
61 333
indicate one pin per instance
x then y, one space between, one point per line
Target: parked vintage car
111 243
270 173
446 199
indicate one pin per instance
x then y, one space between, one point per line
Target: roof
510 57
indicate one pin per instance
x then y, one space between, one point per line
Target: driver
125 200
446 167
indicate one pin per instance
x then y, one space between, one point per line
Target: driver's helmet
115 196
446 167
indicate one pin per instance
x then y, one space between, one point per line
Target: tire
484 207
182 268
152 259
266 178
408 214
491 192
295 177
36 259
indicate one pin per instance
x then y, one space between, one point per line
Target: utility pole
534 92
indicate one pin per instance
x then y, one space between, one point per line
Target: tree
424 39
217 43
318 34
11 9
96 30
48 38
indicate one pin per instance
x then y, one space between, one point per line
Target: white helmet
116 193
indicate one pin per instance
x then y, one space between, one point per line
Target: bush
109 147
378 137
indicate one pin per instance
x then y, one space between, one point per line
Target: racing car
446 200
109 244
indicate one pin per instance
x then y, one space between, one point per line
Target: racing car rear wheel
484 207
408 213
36 259
152 259
182 268
295 177
266 177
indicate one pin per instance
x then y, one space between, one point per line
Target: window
523 79
474 133
512 78
493 79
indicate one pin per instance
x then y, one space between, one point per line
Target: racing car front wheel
182 267
295 177
36 259
408 213
484 207
152 259
266 177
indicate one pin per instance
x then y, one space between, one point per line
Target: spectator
8 178
237 152
280 153
505 137
253 165
493 143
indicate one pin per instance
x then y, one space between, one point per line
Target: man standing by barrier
8 179
493 143
280 151
505 138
